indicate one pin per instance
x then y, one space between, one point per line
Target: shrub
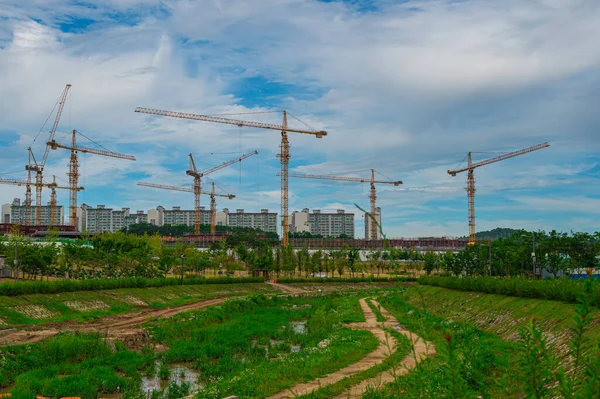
346 280
54 287
558 289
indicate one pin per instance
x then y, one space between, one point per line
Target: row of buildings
101 219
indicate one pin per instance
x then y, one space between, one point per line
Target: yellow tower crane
193 171
53 204
284 154
213 213
74 168
471 179
39 168
372 195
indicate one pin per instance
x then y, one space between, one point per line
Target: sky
407 88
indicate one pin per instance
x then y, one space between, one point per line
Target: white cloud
408 90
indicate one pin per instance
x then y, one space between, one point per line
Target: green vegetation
556 289
499 314
559 254
252 347
168 230
367 279
494 234
376 311
53 287
88 305
72 365
390 364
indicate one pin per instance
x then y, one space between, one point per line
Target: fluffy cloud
407 88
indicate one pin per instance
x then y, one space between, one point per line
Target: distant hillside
498 232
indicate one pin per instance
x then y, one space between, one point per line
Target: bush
54 287
558 289
346 280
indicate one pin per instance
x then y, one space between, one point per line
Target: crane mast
39 168
372 194
284 154
53 203
193 171
471 179
213 206
74 168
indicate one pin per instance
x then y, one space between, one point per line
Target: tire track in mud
387 345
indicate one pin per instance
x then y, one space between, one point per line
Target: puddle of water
299 327
180 373
295 348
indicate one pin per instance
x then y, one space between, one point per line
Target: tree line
120 255
559 254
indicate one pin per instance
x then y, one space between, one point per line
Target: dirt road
119 325
387 344
286 288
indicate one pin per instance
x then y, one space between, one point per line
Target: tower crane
284 154
53 186
39 168
192 171
372 195
74 168
471 179
213 206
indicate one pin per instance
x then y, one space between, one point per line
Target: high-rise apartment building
17 214
323 223
265 220
368 221
187 217
102 219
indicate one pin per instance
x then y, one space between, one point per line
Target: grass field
499 314
254 347
88 305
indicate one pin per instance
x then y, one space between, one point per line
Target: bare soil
120 327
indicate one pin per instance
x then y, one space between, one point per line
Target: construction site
335 229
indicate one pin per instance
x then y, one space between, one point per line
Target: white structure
299 222
368 221
15 213
5 217
265 220
102 219
325 224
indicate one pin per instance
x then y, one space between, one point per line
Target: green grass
500 314
286 280
117 301
402 350
67 285
479 357
71 365
227 344
231 353
555 289
376 311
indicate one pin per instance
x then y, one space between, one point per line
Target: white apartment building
323 223
102 219
15 213
265 220
5 218
368 221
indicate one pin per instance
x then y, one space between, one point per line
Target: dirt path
119 325
286 288
387 345
421 350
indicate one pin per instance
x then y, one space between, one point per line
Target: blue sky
407 88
